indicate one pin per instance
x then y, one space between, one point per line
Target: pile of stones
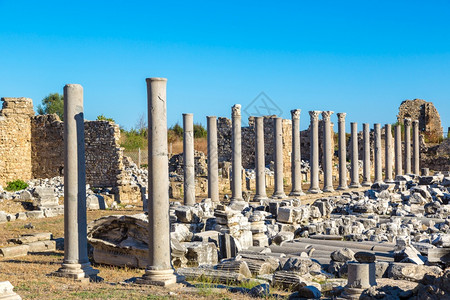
402 228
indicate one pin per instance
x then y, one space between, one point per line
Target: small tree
52 104
199 131
103 118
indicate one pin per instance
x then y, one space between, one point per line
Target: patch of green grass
16 185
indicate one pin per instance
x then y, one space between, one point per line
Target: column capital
314 114
415 122
236 110
295 113
341 117
327 114
407 121
211 117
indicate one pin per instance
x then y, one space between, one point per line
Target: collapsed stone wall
104 167
15 139
425 112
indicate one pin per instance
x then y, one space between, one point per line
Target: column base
366 183
238 204
389 180
342 188
278 195
328 189
315 191
159 278
297 193
78 272
260 197
354 185
352 293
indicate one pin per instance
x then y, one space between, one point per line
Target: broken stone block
180 232
342 255
201 253
3 217
228 246
406 271
35 214
95 202
441 255
287 280
207 236
42 246
307 292
32 237
301 265
7 291
408 255
443 240
235 266
44 197
365 257
212 275
14 251
283 236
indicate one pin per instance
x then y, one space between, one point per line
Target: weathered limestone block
201 253
44 197
32 237
406 271
127 194
218 276
14 251
235 266
95 202
7 291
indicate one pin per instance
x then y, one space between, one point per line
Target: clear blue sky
359 57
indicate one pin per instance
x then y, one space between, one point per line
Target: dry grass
200 144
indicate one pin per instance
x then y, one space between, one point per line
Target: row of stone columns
236 178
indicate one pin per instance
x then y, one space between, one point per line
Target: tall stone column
327 152
416 147
213 161
159 270
377 154
76 263
398 150
188 159
407 123
388 153
355 162
279 174
367 180
236 163
342 153
314 152
260 164
296 157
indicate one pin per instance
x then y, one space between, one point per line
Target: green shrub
199 131
103 118
16 185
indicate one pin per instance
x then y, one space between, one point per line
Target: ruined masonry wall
15 139
103 154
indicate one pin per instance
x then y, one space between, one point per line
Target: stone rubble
402 229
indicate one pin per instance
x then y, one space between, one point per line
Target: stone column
76 263
388 153
342 152
398 150
296 157
236 163
416 147
188 159
327 152
260 164
377 154
407 123
159 270
355 162
213 162
278 142
367 180
314 152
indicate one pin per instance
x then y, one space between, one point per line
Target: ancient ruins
282 206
